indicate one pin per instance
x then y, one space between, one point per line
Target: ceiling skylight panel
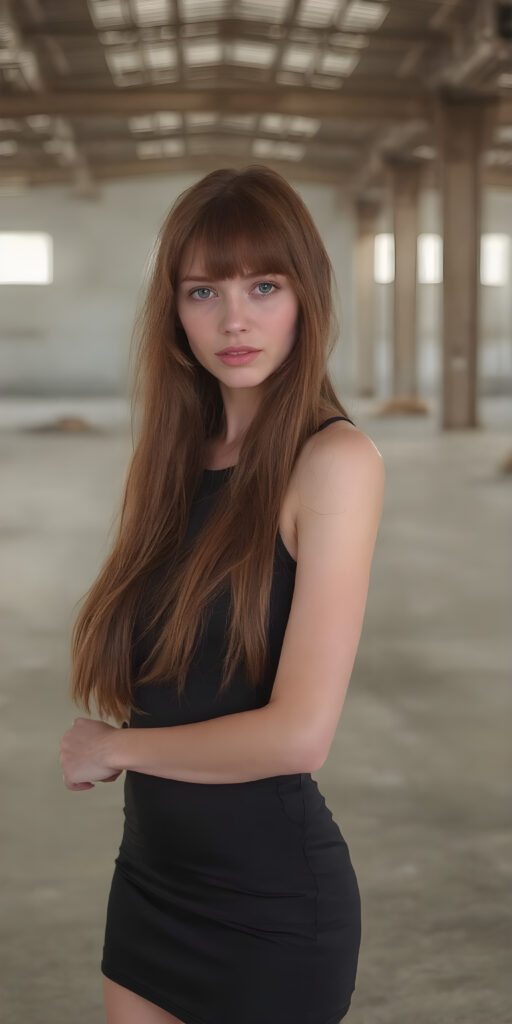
289 77
162 120
159 55
200 144
167 120
209 10
339 63
108 13
363 14
155 148
204 51
140 123
201 120
297 58
39 122
245 122
280 150
325 82
273 123
151 12
281 123
173 147
266 10
304 125
317 13
149 149
256 54
122 62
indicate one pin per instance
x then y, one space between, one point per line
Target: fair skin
122 1006
256 310
337 496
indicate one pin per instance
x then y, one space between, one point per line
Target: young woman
223 628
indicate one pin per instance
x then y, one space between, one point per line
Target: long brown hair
248 220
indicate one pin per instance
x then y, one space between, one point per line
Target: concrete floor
418 777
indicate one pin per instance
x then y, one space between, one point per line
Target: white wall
72 337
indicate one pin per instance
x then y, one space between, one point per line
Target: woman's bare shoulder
338 452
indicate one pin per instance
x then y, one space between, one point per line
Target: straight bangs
237 237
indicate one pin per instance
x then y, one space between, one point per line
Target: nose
233 314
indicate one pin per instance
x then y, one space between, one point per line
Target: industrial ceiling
322 90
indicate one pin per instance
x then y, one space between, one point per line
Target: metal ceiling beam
342 105
300 171
338 105
241 28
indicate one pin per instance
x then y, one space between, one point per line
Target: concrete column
364 375
462 128
404 179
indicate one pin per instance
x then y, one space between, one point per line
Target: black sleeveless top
203 681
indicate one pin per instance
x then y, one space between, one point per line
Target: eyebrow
246 277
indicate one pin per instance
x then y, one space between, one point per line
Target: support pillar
463 129
404 178
364 374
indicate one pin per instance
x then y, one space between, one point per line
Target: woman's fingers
89 785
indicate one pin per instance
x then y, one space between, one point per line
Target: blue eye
259 284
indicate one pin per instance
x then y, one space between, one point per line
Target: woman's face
258 311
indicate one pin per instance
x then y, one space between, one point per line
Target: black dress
231 903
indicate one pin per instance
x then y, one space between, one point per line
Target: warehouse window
430 259
26 257
494 259
384 258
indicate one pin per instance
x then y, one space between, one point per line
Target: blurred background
393 121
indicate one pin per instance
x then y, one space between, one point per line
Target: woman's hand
84 754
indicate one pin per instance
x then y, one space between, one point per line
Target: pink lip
233 349
240 359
